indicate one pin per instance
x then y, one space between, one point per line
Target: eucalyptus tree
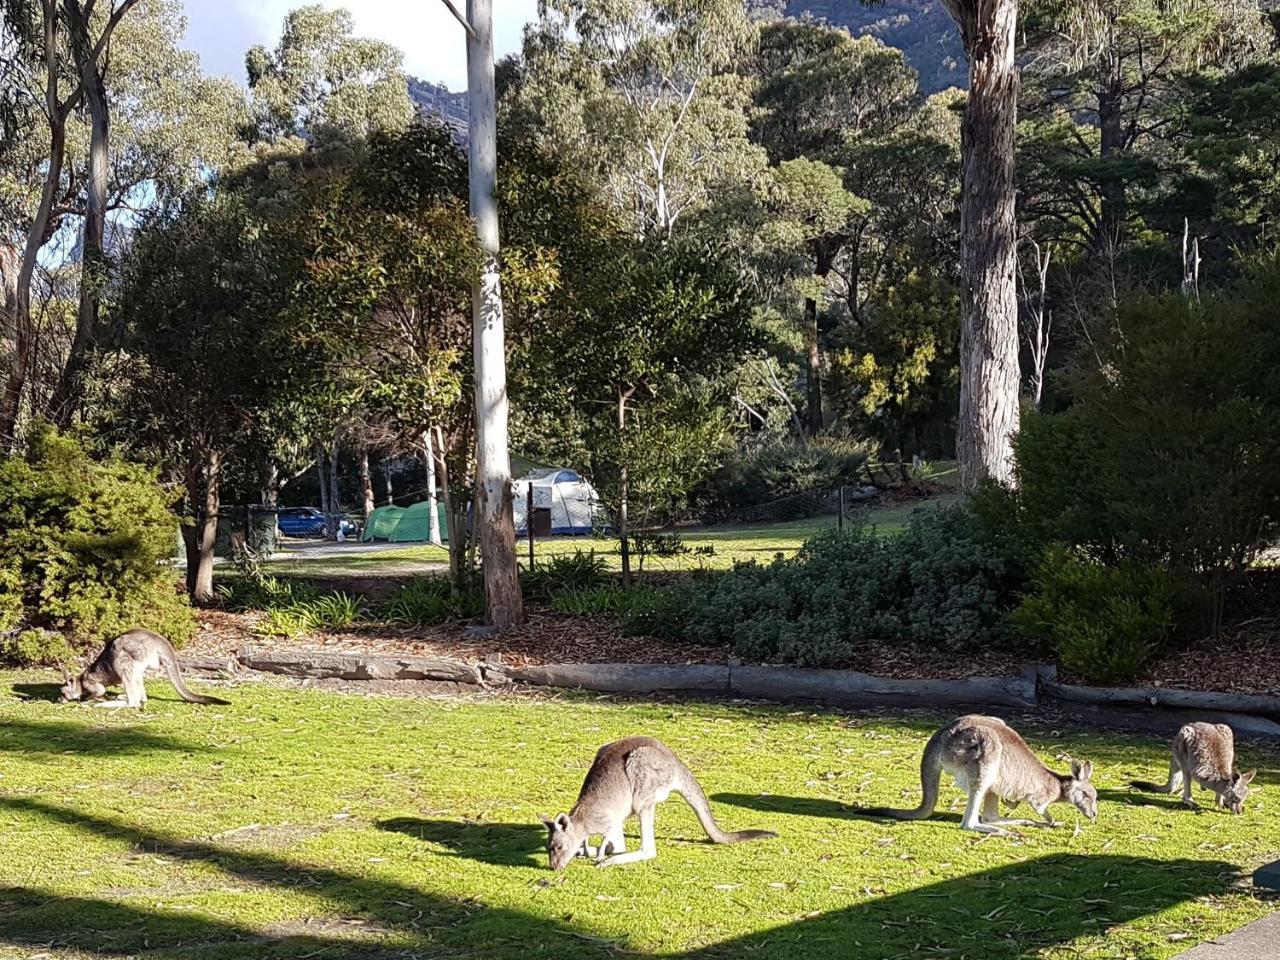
646 95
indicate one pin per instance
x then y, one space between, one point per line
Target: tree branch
457 15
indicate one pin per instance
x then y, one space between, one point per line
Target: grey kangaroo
631 776
125 661
1205 753
991 762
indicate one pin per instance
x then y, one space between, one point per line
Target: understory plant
940 583
1103 621
86 545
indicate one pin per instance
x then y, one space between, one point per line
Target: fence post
528 521
840 523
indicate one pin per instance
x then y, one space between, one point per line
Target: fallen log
848 688
1260 704
358 666
623 677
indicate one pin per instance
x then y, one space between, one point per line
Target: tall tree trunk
1110 128
813 367
366 484
457 542
335 499
22 333
321 476
624 532
494 524
204 485
988 245
269 491
386 479
433 520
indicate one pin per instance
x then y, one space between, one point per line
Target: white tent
569 497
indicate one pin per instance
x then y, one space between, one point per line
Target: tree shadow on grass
1004 913
814 807
501 844
54 737
1141 798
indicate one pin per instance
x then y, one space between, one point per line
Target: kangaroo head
72 689
1079 791
564 840
1235 795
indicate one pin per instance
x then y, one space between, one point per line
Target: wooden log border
1037 684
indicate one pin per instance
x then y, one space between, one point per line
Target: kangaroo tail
930 778
688 787
170 664
1150 787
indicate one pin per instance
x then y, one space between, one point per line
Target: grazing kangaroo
631 776
1206 754
125 661
990 761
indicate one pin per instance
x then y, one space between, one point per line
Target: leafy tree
322 83
644 94
1101 99
198 385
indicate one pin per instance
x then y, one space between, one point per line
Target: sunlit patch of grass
301 824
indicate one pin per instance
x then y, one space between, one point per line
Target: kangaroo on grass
630 776
1205 753
991 762
124 662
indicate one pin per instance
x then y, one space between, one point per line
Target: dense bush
612 601
1170 453
84 549
563 573
782 467
940 583
1104 622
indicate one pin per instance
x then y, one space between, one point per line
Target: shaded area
815 807
53 737
52 692
500 844
1000 914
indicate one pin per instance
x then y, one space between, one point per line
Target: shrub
565 572
939 583
1169 454
85 546
32 648
335 611
1104 622
805 471
426 601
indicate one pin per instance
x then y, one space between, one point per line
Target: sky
432 41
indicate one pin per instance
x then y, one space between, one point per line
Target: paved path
1260 940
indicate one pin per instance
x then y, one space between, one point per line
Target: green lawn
732 542
303 824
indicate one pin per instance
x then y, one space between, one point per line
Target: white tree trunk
433 521
495 526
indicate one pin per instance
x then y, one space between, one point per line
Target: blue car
307 522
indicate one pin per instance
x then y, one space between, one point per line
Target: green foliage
757 473
940 583
1171 453
35 648
85 546
324 84
426 601
1104 622
611 601
565 573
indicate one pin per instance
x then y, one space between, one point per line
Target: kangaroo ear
562 821
1081 770
1248 777
547 821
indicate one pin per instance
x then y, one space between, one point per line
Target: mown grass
731 542
305 824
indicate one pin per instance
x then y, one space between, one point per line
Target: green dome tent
404 524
